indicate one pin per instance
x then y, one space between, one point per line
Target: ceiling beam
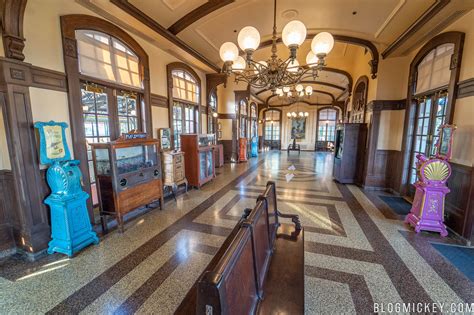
303 101
126 6
434 9
196 14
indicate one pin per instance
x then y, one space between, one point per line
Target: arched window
434 74
327 125
243 118
253 120
184 92
272 126
212 110
108 86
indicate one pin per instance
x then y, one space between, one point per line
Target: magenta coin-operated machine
427 211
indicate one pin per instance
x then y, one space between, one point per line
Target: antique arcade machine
427 212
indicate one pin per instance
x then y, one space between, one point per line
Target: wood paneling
7 206
459 208
466 88
48 79
159 101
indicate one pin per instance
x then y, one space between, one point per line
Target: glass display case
128 174
199 158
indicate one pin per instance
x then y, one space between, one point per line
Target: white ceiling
380 21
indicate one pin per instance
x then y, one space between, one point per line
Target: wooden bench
259 269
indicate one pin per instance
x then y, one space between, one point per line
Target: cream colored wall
391 130
463 146
392 78
44 49
49 105
226 129
4 156
160 119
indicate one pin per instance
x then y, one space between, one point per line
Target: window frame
318 120
69 25
179 66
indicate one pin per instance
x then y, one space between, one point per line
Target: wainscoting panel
459 207
383 172
227 144
7 203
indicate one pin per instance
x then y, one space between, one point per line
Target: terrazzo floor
358 253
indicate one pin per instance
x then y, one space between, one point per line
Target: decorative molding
196 14
12 28
126 6
226 116
70 47
466 88
380 105
159 101
434 9
48 79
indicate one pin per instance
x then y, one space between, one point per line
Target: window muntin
127 104
105 57
434 70
185 87
327 125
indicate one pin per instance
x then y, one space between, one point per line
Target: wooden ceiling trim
303 101
341 88
196 14
434 9
367 44
126 6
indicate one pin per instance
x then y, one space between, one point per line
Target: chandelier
293 94
275 73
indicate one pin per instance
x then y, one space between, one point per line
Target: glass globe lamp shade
311 59
293 114
322 43
309 90
288 114
306 114
239 64
229 52
286 89
289 94
301 114
279 92
294 33
293 66
299 88
249 38
214 115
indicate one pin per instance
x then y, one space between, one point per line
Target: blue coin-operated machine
71 229
254 147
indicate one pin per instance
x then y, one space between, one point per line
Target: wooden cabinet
174 170
349 153
243 150
199 158
128 176
218 155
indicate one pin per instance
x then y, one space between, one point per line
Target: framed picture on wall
298 128
445 141
53 145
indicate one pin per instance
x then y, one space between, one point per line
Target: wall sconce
214 115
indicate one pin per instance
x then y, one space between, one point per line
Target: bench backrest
234 284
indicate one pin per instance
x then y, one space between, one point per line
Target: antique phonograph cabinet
128 174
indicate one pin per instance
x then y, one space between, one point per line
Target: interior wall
390 132
44 49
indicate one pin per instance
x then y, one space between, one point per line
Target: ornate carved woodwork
12 28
